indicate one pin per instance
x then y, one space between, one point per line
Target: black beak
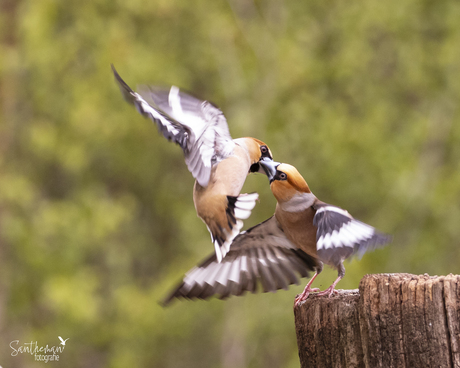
269 167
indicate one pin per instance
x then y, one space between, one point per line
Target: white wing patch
347 236
241 208
244 205
337 228
339 235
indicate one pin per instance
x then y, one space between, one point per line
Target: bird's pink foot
329 291
306 292
304 296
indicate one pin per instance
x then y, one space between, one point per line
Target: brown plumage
219 163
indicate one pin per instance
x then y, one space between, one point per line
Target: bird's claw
329 291
304 296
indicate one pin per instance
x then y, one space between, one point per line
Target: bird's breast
227 179
229 175
299 228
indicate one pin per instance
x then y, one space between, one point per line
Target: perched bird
219 163
325 232
302 234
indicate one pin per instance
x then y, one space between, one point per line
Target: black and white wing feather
197 126
261 257
340 236
172 130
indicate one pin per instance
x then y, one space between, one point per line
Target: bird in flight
219 163
62 340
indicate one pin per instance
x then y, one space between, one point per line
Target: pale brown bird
303 233
219 163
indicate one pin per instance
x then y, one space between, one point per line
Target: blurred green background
96 215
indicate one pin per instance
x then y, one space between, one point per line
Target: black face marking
254 168
265 151
280 175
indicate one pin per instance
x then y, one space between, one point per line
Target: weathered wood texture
394 320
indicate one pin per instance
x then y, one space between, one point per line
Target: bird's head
257 150
285 181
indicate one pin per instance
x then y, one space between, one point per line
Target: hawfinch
303 233
219 163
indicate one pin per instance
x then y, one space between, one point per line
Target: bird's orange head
285 181
257 150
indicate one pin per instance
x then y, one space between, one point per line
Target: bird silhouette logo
62 340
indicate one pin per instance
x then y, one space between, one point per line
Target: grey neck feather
299 202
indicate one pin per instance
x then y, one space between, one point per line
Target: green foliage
96 215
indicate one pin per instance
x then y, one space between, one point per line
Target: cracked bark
393 320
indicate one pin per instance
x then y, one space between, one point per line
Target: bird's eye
283 176
264 150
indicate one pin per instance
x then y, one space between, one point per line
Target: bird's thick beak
269 167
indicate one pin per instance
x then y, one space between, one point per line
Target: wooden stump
393 320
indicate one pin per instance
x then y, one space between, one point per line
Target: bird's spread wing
197 126
261 255
340 236
210 141
172 130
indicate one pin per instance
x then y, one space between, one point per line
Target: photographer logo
47 353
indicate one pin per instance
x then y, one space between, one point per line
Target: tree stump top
394 320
